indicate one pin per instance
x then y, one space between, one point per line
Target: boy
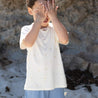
45 76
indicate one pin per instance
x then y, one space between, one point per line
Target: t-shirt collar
43 29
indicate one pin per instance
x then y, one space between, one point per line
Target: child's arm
60 30
58 26
30 38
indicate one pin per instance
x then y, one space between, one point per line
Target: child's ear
30 11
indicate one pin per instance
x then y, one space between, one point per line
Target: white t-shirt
44 66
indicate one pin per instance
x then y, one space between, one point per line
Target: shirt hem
45 88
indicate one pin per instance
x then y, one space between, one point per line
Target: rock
74 62
94 70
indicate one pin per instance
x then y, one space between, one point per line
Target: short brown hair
30 3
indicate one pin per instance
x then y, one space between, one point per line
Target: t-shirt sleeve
24 32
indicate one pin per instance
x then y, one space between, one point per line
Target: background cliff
80 19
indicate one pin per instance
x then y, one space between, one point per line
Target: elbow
66 42
25 45
22 46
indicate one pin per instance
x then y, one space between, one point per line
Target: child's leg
57 93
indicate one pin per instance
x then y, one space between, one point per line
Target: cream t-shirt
44 66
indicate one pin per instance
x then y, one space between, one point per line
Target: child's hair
30 3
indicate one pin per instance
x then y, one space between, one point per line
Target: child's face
36 6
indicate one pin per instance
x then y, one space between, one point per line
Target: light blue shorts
55 93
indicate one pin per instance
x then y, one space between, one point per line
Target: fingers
41 7
45 7
45 4
48 4
53 3
56 8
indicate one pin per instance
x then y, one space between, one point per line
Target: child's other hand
40 13
51 9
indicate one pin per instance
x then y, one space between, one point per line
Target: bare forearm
32 35
60 30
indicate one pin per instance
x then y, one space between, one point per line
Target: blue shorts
55 93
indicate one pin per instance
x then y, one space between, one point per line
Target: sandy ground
12 79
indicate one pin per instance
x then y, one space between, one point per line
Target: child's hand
51 9
40 13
